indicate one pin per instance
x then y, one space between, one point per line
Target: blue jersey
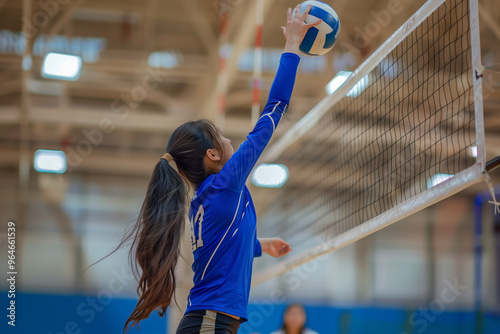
222 215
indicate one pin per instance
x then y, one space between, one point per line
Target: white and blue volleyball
321 38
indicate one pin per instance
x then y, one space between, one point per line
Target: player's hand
296 28
275 246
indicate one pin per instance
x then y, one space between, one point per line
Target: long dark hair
157 233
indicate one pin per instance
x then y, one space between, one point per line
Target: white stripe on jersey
269 114
216 248
272 120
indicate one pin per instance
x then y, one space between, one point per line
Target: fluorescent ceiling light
473 151
50 161
437 179
163 59
337 81
61 66
359 87
389 67
270 175
341 77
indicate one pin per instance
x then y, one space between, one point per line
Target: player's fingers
285 247
305 13
314 23
296 12
289 15
284 31
285 250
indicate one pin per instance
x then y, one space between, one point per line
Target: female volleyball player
222 216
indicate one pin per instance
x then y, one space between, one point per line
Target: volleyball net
404 131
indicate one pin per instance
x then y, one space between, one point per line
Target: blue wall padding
79 314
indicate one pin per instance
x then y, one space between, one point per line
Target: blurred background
141 69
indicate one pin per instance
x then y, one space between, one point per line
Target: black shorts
208 322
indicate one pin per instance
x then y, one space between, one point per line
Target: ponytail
160 227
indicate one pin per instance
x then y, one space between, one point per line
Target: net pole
479 201
477 70
478 257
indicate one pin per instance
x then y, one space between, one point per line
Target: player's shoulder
201 189
210 190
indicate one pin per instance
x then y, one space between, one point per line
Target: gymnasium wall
390 274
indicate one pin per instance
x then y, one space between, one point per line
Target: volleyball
321 38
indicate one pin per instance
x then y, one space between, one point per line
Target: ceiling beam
115 118
203 28
209 40
148 25
64 17
10 87
243 38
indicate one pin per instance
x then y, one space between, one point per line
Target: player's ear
213 154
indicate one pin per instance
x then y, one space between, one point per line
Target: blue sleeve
257 252
235 172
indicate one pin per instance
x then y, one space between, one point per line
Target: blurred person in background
294 321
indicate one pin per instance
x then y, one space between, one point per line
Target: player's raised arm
235 172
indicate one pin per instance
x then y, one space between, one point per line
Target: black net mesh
380 146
